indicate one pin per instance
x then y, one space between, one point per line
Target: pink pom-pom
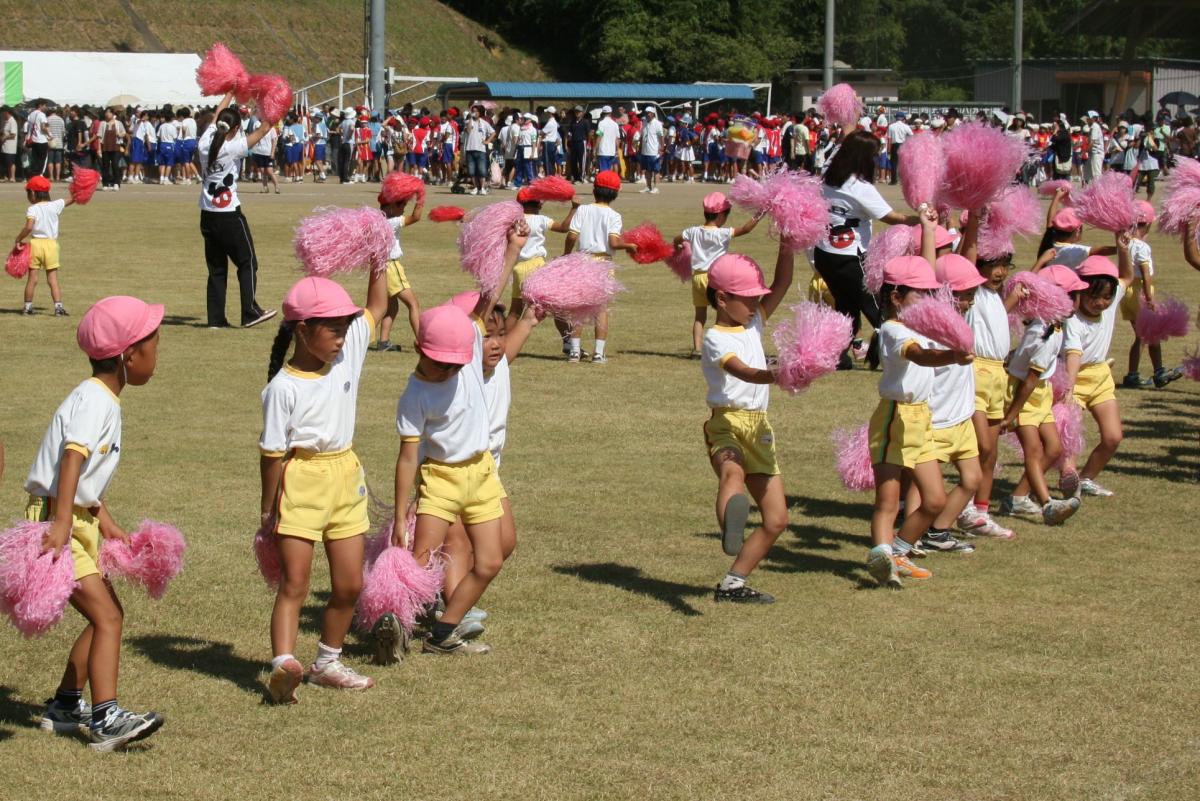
19 260
839 104
1043 300
221 71
393 580
980 161
1169 318
1068 419
1181 200
809 344
896 240
1050 188
922 168
34 587
748 194
552 188
334 241
447 213
84 185
680 262
575 287
152 557
651 246
399 187
483 239
1015 210
799 212
1191 365
936 316
272 96
853 451
266 555
1108 203
1060 385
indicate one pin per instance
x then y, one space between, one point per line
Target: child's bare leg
767 492
409 299
75 675
970 473
30 284
489 557
927 478
346 579
1155 357
458 557
96 601
987 434
508 530
1042 449
887 503
296 556
602 325
1135 355
52 281
731 478
1108 418
389 317
698 328
429 536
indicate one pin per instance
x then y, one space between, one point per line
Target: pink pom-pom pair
483 239
393 580
34 586
337 241
221 72
151 558
575 287
1168 319
809 345
20 258
798 210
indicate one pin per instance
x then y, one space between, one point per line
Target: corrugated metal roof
512 90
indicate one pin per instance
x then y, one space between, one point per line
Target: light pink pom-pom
34 587
483 239
809 344
853 451
266 555
1191 365
750 195
1044 300
272 96
221 71
680 262
1015 210
1181 200
574 287
1060 382
393 580
151 558
893 241
936 316
1068 419
799 212
552 189
1168 319
19 260
651 246
1050 188
1107 203
398 186
922 168
334 241
840 104
980 161
84 185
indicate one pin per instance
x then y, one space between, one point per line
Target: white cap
1093 114
866 123
606 109
551 109
348 110
937 122
651 110
529 116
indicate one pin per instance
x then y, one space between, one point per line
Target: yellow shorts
700 289
991 386
1094 385
901 434
818 290
1131 304
747 432
85 533
523 270
322 496
956 443
470 490
1038 409
43 254
396 277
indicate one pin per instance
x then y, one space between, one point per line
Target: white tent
107 78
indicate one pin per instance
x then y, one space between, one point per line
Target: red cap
958 272
317 297
1066 220
738 275
609 180
1064 277
114 323
38 183
1098 265
910 271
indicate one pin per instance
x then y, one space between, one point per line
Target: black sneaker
261 318
1135 381
1166 376
59 311
733 533
121 727
944 541
742 595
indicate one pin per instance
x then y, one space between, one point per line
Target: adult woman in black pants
226 232
849 188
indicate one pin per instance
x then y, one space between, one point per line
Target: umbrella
1178 99
123 100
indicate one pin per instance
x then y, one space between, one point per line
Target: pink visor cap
910 271
317 297
737 275
1064 277
958 272
1145 212
467 301
716 202
1098 265
941 237
1066 220
114 323
447 335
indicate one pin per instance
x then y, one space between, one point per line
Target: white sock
326 656
732 581
574 345
29 304
600 347
276 662
900 547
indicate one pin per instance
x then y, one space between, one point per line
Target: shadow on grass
17 713
631 579
828 539
786 560
678 355
830 507
177 319
311 615
215 659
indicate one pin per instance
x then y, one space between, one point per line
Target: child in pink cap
1061 242
741 443
67 485
708 243
313 486
1030 412
1141 291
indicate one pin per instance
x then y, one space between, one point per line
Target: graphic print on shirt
220 193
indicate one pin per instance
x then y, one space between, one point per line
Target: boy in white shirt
41 225
167 134
533 252
652 136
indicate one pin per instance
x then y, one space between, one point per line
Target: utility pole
827 78
1018 32
376 83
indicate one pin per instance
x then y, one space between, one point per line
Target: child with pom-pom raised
41 227
313 486
66 485
1140 292
399 290
741 443
1061 243
533 254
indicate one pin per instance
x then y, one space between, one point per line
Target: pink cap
716 202
958 272
941 237
447 335
738 275
467 301
317 297
1067 220
910 271
1098 265
115 323
1145 212
1064 277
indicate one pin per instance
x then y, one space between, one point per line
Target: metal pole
1018 30
376 82
827 78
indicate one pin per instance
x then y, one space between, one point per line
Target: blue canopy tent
663 94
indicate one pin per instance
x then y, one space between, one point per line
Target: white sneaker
882 568
975 523
1056 512
474 191
654 191
1025 508
339 676
1088 486
644 190
483 191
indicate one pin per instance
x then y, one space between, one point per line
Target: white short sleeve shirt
722 343
88 421
396 223
708 243
535 243
45 218
593 223
989 323
902 380
1036 351
1092 336
218 188
855 203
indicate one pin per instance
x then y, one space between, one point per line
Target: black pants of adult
576 162
844 275
110 167
37 157
344 152
894 155
227 236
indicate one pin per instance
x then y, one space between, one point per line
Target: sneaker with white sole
338 676
975 523
733 531
63 719
599 358
1069 483
1057 511
744 594
283 681
391 640
882 568
1024 507
455 645
944 542
1089 486
907 569
476 614
262 318
121 727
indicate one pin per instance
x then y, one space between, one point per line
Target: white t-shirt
898 132
449 418
35 121
497 393
448 134
902 381
145 132
1036 352
952 399
88 421
550 130
167 132
10 129
989 323
593 224
45 218
316 411
535 243
721 343
476 133
218 189
1092 336
1143 261
853 200
609 135
266 145
652 135
1071 255
526 139
397 223
708 244
187 128
881 121
1096 140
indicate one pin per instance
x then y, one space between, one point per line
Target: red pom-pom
651 246
221 71
272 95
19 260
84 185
398 187
552 188
447 213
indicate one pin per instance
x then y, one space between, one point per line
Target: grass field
1058 666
